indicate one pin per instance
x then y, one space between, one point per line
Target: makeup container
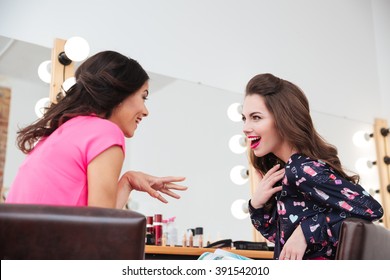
190 237
199 237
158 229
150 240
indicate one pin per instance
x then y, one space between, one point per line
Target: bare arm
103 174
105 190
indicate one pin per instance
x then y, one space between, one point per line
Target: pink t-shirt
55 172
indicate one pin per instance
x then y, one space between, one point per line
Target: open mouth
255 141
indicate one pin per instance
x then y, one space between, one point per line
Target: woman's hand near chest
264 190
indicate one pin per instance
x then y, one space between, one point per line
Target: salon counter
193 253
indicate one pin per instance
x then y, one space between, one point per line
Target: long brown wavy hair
290 108
103 81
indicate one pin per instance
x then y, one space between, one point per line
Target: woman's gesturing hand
153 185
264 189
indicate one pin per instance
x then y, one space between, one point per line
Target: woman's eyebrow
254 113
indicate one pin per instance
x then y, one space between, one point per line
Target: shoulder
91 131
301 166
298 160
94 135
302 160
92 125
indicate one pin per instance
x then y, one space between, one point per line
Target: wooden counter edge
195 251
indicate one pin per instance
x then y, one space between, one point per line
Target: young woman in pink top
76 151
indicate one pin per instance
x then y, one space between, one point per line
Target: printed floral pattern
318 199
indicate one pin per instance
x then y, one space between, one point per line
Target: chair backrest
363 240
63 233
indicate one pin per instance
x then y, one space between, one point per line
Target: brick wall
5 98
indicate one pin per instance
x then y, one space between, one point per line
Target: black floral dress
317 198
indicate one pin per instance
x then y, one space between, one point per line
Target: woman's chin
129 134
258 153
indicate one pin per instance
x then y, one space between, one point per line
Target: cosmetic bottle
150 240
184 240
164 239
164 235
190 238
199 237
158 229
172 232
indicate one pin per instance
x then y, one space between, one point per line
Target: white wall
381 18
326 46
335 50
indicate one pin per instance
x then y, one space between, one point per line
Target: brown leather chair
62 233
363 240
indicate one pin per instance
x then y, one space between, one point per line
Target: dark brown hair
103 81
290 108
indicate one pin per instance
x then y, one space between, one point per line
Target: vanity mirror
187 134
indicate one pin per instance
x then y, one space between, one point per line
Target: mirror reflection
188 133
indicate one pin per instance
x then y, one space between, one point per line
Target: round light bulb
234 112
41 105
68 83
239 209
237 144
44 71
245 207
239 175
363 165
76 48
371 191
361 139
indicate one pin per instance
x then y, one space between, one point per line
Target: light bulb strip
59 72
382 150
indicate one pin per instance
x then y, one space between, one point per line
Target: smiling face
260 129
128 114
